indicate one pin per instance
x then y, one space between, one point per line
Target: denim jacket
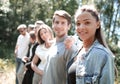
97 67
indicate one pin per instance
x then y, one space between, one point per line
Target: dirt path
7 77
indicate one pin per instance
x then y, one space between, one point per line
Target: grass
7 71
117 80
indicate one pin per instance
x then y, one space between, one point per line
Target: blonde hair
44 26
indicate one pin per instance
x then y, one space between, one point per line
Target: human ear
98 24
69 26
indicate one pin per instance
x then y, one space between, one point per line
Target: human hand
69 41
25 59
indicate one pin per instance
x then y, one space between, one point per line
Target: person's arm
34 65
16 50
16 46
107 76
25 59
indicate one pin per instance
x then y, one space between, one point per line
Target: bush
6 52
116 50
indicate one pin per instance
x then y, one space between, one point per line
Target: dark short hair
62 13
32 35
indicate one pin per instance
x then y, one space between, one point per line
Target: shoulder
101 52
27 35
99 47
40 46
20 36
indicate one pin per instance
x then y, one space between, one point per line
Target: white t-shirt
23 42
42 53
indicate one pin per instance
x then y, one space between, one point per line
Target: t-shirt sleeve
18 40
37 50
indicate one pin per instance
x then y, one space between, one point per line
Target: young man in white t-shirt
21 49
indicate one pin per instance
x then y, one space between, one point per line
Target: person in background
21 49
37 24
45 39
94 63
55 69
28 58
30 27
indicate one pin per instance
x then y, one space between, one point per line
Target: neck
24 34
59 37
87 44
48 44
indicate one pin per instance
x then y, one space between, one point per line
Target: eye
87 23
63 23
45 32
57 22
78 23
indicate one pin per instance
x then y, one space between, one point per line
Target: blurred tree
110 16
15 12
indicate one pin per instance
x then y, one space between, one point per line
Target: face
60 26
45 35
31 40
86 26
22 31
29 29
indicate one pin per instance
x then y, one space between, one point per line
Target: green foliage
7 52
15 12
117 59
116 51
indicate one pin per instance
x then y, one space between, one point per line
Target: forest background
16 12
